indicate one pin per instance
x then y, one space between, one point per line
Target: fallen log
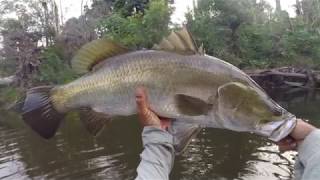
294 84
286 77
277 73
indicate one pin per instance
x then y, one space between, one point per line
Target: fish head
245 108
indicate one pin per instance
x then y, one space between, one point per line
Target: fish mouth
278 130
277 111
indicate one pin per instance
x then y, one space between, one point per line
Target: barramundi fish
181 83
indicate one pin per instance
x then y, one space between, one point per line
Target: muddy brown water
213 154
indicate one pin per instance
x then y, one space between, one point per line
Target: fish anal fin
191 106
179 42
94 121
94 52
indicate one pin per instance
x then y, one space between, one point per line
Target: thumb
147 117
141 100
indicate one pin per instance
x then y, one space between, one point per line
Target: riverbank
286 77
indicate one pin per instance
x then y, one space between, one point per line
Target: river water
213 154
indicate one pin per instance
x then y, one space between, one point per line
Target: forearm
158 155
308 161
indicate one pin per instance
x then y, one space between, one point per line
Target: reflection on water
74 154
227 155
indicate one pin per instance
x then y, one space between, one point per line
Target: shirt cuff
153 135
309 147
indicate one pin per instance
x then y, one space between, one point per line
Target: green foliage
130 7
9 95
303 42
217 24
257 46
249 34
138 30
53 69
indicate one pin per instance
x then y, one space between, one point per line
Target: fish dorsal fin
94 52
179 42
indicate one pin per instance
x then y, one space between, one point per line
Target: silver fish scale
110 88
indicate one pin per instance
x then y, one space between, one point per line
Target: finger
288 147
285 141
285 144
142 105
284 148
141 100
165 123
147 117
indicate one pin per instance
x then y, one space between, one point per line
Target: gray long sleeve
307 165
158 155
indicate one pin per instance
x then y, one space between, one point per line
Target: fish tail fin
39 112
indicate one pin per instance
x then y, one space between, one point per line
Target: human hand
146 116
182 133
296 137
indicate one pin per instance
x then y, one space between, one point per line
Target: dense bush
140 30
53 68
250 34
246 33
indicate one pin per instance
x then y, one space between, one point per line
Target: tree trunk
278 7
298 8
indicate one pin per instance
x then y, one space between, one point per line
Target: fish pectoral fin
94 52
94 121
179 42
191 106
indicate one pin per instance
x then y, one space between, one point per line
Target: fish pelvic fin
94 121
191 106
94 52
39 113
179 42
182 134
